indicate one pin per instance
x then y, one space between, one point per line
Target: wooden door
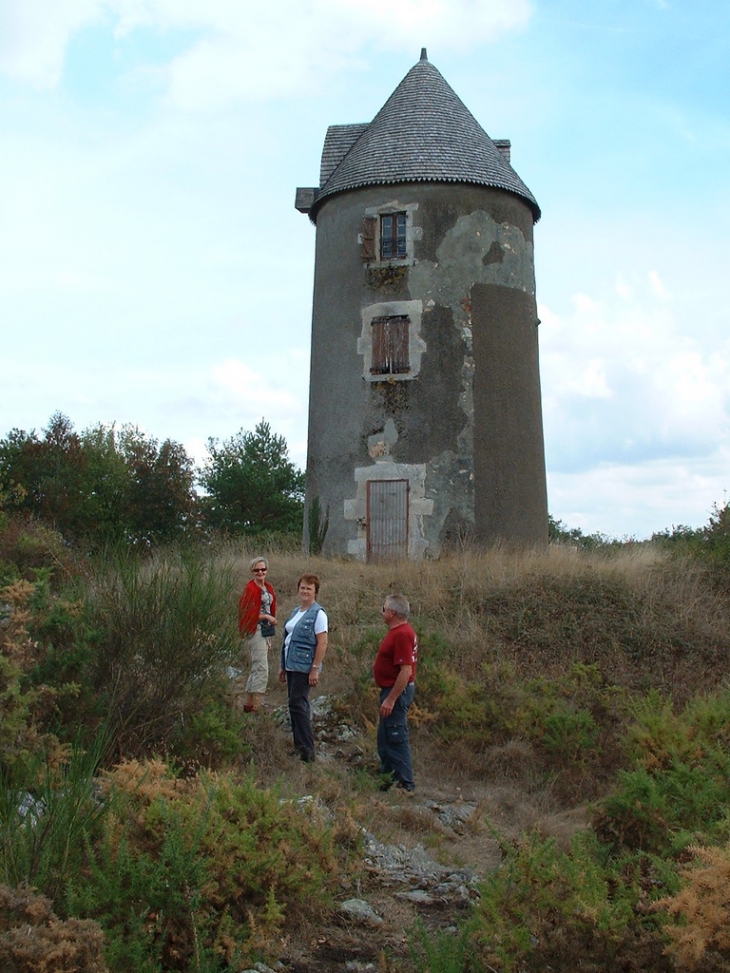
387 520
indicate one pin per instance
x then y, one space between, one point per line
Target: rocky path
423 859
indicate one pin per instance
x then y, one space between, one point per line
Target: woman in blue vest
305 643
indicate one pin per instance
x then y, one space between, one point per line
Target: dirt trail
424 854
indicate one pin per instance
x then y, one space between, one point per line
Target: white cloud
636 408
621 381
622 501
34 35
238 387
658 285
312 41
197 401
242 53
592 382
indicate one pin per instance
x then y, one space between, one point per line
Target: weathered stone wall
465 428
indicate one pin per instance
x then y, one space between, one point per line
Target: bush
48 807
27 704
710 544
34 940
28 546
679 787
165 633
701 936
201 873
545 909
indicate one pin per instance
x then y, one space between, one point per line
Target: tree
47 477
251 484
162 503
100 486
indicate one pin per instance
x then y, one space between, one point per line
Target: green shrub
547 909
564 717
165 633
27 704
27 546
440 952
710 544
200 874
570 734
679 788
48 807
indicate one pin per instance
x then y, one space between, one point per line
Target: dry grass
644 619
502 623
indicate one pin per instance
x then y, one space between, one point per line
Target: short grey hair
398 604
259 560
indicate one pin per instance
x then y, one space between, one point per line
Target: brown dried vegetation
34 940
532 666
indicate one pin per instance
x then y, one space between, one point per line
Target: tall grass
47 811
644 618
533 666
165 633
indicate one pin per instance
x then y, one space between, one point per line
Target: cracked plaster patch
381 443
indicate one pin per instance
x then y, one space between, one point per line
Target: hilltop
571 740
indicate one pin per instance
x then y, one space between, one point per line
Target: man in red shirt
395 673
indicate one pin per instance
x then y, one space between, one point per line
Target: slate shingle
423 133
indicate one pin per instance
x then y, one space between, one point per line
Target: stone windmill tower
425 418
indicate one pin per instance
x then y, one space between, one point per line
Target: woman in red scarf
256 620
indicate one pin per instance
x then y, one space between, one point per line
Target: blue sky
154 271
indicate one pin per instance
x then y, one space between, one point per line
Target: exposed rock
361 911
454 816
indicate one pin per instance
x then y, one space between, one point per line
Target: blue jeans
300 713
394 748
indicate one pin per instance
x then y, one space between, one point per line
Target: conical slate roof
423 133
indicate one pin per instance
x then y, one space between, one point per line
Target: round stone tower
425 419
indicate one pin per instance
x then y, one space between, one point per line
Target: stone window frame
410 310
371 240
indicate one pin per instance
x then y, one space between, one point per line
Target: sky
154 270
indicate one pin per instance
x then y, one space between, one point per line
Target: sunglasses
259 570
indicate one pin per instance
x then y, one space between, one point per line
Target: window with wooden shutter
390 346
367 239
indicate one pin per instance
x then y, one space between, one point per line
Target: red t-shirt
398 648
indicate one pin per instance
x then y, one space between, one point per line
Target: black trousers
297 684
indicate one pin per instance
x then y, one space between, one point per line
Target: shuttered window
390 345
392 236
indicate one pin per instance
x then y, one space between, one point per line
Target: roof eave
322 196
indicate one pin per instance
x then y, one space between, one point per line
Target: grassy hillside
590 685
